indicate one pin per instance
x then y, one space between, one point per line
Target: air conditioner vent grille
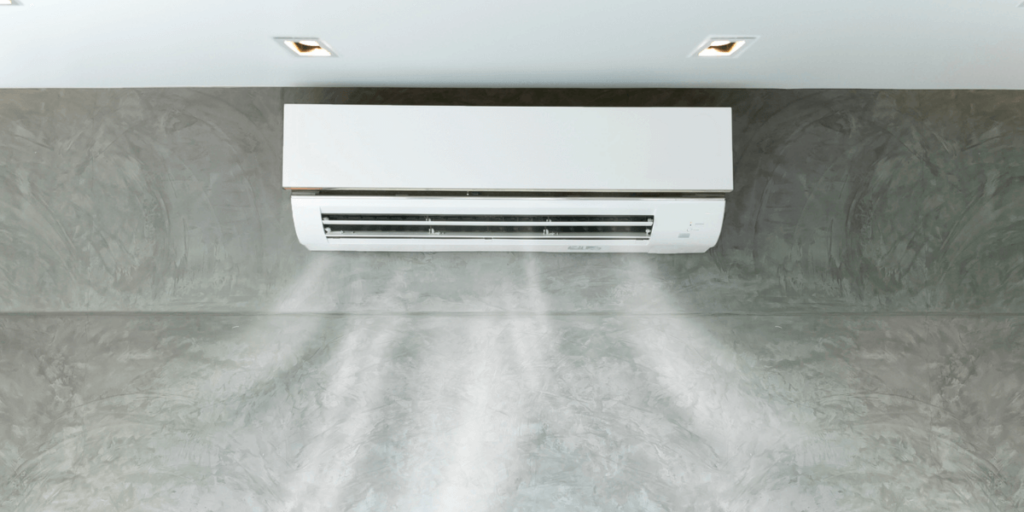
539 227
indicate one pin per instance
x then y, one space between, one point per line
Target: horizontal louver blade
540 227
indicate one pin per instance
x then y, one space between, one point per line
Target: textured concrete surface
527 413
170 200
854 343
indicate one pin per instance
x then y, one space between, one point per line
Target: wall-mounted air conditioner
556 179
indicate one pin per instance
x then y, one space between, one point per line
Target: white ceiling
901 44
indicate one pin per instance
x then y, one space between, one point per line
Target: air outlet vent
519 227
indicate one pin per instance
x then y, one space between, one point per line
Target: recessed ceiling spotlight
723 46
305 46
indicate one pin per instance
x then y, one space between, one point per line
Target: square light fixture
305 46
723 46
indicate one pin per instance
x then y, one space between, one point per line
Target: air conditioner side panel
681 225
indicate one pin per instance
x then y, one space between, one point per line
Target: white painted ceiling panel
905 44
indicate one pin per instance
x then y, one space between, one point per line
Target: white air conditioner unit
555 179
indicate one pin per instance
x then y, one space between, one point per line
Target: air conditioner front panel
389 223
557 149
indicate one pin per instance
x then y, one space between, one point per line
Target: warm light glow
307 48
721 48
7 2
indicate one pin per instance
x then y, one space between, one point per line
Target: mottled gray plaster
495 412
170 200
854 343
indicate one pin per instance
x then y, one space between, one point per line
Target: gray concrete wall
853 343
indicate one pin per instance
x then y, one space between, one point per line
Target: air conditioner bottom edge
680 225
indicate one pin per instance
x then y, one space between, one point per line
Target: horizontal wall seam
947 314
